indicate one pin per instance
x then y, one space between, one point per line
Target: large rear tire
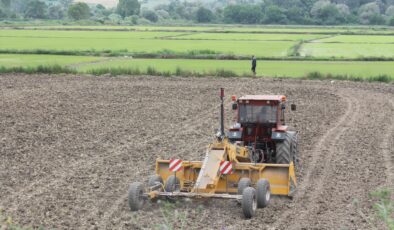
294 147
287 149
135 196
249 202
172 184
242 184
263 193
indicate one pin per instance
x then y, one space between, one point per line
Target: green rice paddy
23 48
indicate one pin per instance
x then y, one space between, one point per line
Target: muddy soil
70 146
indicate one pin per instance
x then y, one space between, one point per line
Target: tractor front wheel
135 196
249 202
263 193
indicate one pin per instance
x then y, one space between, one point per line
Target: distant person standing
254 64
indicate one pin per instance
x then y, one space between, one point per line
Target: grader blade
209 171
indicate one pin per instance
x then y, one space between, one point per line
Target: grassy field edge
151 71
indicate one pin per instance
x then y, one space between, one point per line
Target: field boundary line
172 36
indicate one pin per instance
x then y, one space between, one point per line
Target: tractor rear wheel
294 147
135 196
287 149
242 184
249 202
263 193
172 184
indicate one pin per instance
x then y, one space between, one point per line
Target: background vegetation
306 12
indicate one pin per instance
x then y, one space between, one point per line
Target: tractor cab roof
262 98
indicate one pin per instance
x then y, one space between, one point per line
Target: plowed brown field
70 146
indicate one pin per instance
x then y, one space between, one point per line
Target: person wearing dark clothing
254 64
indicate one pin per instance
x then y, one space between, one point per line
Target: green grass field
95 35
369 39
184 44
17 60
40 40
347 50
250 36
264 68
239 44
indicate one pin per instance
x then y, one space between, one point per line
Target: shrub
151 71
225 73
51 69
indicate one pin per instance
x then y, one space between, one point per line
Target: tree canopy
35 9
128 7
204 15
79 11
304 12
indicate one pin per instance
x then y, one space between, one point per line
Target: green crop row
260 48
189 45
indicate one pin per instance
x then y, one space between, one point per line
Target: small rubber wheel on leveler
249 202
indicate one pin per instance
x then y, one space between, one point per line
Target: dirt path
71 145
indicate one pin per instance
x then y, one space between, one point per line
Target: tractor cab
259 124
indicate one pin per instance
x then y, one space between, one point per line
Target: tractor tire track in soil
346 159
71 145
323 151
387 148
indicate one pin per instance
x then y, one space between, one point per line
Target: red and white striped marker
175 165
226 167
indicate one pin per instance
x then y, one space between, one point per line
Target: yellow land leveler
252 160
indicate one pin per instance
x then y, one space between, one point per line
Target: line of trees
307 12
44 9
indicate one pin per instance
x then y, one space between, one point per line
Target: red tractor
260 126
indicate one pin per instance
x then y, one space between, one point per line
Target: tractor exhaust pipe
222 112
